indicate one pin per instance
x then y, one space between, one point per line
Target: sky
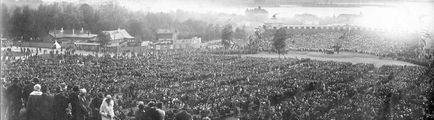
402 14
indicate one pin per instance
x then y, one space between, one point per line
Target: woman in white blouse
106 109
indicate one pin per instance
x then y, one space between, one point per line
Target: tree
279 41
227 36
5 17
135 28
88 16
240 33
103 39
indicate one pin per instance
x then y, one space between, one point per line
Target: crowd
392 45
194 85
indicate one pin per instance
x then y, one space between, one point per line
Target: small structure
166 34
119 38
67 38
163 45
56 45
194 42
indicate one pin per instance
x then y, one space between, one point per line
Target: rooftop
118 34
71 33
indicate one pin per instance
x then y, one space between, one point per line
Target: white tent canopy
56 45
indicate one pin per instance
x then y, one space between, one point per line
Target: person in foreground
106 109
34 107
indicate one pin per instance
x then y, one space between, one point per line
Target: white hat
108 97
83 90
37 87
141 103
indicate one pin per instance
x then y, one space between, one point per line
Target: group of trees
25 23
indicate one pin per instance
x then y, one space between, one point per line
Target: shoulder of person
36 93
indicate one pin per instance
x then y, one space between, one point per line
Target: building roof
90 44
118 34
69 34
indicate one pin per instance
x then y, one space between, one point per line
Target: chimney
73 31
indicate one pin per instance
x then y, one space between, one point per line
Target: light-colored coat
107 109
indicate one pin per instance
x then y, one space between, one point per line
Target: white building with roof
120 37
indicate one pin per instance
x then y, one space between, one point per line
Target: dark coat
61 102
79 107
183 115
34 106
27 90
14 102
153 114
47 104
14 95
140 114
95 104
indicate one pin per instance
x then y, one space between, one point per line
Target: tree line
25 23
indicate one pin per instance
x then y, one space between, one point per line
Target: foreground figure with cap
106 109
34 108
79 104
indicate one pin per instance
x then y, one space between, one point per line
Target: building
165 34
68 38
119 38
192 43
163 45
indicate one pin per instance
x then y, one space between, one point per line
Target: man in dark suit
183 115
14 96
78 104
47 104
95 105
61 102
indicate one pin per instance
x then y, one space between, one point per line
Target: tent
56 45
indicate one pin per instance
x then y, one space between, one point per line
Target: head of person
108 98
140 103
159 105
141 106
151 104
35 80
83 91
44 89
37 87
63 87
15 81
76 88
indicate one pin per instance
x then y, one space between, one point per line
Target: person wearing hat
78 104
106 109
140 113
95 105
61 101
151 112
14 98
29 88
34 107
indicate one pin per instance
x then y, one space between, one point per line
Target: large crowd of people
402 46
194 85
